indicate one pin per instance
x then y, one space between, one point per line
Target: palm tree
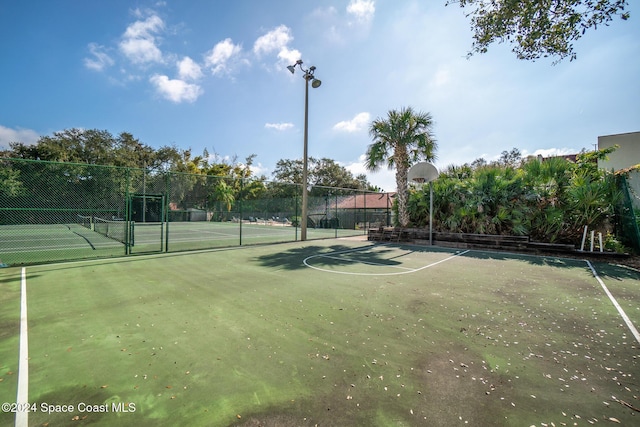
400 140
225 194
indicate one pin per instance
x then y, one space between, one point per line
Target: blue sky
212 74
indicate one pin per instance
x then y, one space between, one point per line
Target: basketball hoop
421 173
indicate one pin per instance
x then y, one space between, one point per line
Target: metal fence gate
147 223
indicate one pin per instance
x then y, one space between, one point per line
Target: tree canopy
403 138
551 199
538 28
97 147
323 172
100 147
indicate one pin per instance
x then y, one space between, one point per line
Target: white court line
626 319
22 398
305 262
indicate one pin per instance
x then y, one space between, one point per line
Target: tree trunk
402 193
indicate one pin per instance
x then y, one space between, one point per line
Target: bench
387 234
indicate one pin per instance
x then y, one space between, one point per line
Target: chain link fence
64 211
625 220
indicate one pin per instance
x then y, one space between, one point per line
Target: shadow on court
548 261
616 272
293 258
605 269
122 261
11 279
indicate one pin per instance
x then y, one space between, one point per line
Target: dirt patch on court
325 411
273 421
451 384
460 386
9 328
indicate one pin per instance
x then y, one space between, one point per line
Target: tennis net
116 230
85 221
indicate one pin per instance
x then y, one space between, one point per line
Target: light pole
315 83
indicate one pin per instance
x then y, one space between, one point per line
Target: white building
626 156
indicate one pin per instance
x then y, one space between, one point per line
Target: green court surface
36 244
337 332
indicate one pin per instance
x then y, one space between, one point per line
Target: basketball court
326 332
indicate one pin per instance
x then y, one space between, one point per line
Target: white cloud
100 59
144 29
279 126
358 123
272 41
383 178
259 170
289 56
141 51
139 42
223 56
277 40
176 90
357 168
8 135
188 69
362 10
551 152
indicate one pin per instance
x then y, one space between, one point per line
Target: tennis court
98 238
66 211
328 332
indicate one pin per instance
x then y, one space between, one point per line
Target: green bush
550 200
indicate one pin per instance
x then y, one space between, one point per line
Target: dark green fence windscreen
626 223
64 211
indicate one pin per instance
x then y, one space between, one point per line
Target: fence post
127 212
364 203
297 222
167 194
336 214
240 206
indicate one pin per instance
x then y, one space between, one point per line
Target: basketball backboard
423 172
